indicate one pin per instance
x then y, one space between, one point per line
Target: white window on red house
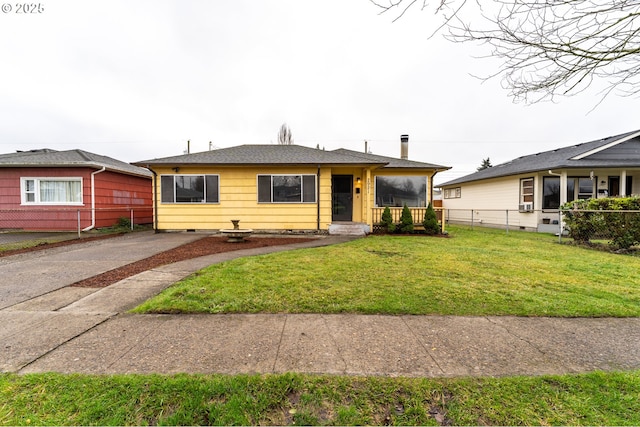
51 191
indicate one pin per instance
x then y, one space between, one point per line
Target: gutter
435 172
93 198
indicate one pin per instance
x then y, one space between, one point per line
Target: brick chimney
404 147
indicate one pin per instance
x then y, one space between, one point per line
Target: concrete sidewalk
415 346
87 331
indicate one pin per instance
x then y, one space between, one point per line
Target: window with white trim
453 193
286 188
190 189
526 194
51 191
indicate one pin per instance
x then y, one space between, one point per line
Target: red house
71 190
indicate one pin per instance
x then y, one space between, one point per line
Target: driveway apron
32 274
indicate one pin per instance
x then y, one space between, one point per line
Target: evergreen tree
430 222
387 220
486 163
406 220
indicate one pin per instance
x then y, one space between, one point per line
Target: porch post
623 182
563 187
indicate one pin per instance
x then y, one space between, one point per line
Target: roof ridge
84 155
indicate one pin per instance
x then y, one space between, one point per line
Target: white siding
487 203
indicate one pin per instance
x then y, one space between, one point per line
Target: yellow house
284 188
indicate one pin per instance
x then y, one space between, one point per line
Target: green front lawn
474 272
292 399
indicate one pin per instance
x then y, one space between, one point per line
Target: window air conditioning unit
526 207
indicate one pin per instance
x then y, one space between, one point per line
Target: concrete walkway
88 331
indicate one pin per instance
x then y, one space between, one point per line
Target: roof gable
606 152
628 149
70 158
608 146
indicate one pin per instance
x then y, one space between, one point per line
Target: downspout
318 199
93 198
155 199
430 188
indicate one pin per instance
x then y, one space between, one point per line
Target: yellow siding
239 200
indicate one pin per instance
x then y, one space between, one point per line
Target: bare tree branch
285 137
549 48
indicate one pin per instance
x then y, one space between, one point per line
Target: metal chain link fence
21 224
616 228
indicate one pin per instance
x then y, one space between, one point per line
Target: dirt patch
205 246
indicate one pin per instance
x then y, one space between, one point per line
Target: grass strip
292 399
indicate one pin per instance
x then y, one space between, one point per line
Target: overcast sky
135 80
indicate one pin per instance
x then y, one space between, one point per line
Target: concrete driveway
32 274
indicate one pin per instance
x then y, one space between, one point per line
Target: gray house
535 186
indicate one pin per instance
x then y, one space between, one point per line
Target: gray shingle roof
393 162
262 155
285 155
565 158
70 158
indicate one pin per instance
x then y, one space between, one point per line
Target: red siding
116 195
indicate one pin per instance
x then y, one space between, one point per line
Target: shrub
387 220
430 221
123 222
623 228
579 223
406 220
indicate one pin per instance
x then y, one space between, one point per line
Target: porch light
358 180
